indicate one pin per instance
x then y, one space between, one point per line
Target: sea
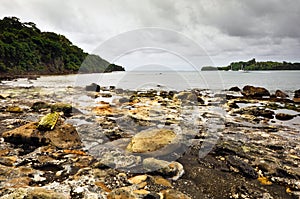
288 81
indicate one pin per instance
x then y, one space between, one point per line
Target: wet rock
281 94
14 109
256 111
150 140
242 166
39 106
62 136
284 116
93 87
235 89
62 107
251 91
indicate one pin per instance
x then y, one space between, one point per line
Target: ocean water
216 80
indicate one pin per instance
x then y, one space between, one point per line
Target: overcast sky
170 32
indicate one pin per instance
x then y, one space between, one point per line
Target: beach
153 141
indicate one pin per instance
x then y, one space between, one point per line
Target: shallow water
284 80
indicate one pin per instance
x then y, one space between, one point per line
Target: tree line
24 49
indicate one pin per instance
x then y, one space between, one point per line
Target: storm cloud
226 31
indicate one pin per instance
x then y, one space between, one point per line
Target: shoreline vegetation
253 65
25 51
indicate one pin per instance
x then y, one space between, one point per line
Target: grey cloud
225 29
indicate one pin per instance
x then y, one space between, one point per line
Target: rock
235 89
41 193
14 109
297 94
123 100
62 107
119 91
284 116
62 136
184 95
48 122
39 106
4 96
161 181
174 194
137 179
256 111
173 170
251 91
121 193
150 140
242 166
106 95
35 193
93 87
281 94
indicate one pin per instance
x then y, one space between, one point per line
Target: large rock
62 136
150 140
251 91
281 94
235 89
93 87
297 94
284 116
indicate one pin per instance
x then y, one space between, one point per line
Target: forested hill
266 65
24 49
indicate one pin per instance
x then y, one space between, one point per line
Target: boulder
297 94
39 106
150 140
251 91
93 87
281 94
189 96
235 89
284 116
62 107
62 136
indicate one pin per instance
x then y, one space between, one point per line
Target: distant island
24 49
254 65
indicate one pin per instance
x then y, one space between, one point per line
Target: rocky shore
106 142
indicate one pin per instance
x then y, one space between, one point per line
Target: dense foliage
267 65
24 49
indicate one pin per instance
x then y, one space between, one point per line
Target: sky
173 34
